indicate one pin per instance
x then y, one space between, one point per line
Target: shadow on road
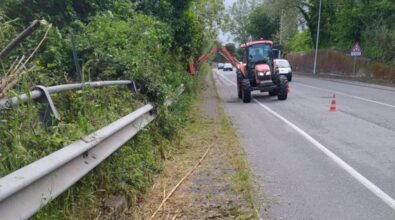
264 98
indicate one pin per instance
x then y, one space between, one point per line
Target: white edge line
363 180
351 96
227 80
354 173
224 77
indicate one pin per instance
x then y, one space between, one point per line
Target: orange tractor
254 72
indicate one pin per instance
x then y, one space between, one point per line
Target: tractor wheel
273 92
239 91
239 85
282 88
246 90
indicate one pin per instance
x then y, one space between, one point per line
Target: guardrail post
132 87
46 98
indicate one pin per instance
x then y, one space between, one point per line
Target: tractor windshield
260 53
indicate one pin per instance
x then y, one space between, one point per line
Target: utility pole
281 25
317 41
281 31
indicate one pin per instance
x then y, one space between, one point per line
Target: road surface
318 164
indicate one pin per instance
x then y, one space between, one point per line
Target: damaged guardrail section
25 191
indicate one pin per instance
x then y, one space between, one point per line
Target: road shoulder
220 187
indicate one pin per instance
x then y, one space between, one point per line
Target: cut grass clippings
219 188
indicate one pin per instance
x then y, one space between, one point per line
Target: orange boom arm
222 50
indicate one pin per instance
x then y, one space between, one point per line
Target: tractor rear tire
282 88
246 90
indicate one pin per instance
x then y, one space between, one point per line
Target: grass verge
221 186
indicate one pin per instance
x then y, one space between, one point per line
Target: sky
226 37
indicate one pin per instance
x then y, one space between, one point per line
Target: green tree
210 14
261 24
231 48
344 22
239 20
59 13
301 41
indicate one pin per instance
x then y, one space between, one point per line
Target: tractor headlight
261 74
268 73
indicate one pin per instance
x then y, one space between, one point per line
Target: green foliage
7 30
345 22
186 28
299 42
261 25
231 48
146 41
251 20
238 21
27 140
59 13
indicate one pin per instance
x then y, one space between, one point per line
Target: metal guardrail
45 92
38 92
27 190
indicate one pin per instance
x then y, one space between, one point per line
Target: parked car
282 67
220 66
228 66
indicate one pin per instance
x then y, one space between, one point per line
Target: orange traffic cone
333 104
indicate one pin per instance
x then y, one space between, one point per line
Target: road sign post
356 51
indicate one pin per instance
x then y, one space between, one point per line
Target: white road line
351 96
363 180
227 80
224 77
354 173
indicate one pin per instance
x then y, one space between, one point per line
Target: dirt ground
220 187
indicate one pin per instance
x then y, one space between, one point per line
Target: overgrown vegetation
299 42
229 193
115 39
343 23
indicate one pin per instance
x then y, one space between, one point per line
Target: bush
300 42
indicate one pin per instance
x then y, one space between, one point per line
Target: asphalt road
317 164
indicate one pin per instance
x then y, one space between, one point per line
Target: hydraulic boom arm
222 50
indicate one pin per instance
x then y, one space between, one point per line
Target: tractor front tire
246 90
273 92
282 88
239 85
239 91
